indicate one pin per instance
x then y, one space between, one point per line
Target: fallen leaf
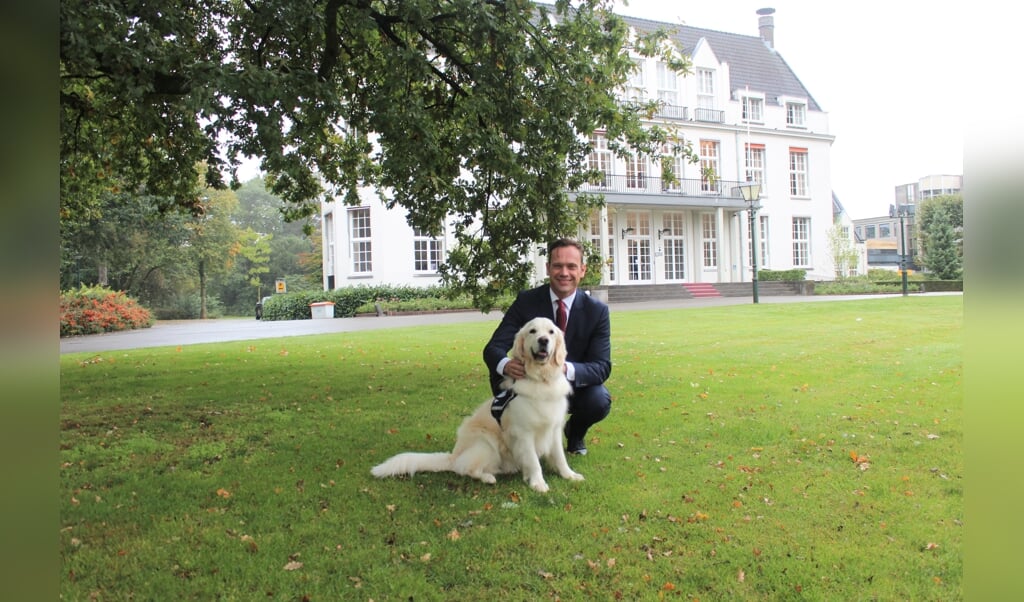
741 576
454 535
224 493
293 566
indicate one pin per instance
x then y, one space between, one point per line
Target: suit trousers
587 406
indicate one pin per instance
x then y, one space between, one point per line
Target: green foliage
96 309
940 225
478 110
795 275
857 286
724 472
843 254
348 301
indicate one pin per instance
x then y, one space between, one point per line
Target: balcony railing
673 112
682 187
709 115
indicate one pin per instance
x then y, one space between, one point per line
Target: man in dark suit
587 339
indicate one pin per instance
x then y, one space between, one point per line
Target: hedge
295 306
782 275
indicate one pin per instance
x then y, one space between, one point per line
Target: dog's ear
519 346
558 357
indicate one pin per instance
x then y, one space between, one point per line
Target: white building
748 116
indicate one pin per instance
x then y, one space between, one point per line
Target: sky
889 74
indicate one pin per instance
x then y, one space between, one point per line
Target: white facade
657 229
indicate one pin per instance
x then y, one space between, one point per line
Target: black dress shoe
577 447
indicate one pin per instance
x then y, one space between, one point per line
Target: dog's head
539 343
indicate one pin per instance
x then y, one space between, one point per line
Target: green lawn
776 451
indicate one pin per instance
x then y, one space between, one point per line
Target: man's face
565 269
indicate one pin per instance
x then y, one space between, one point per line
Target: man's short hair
558 243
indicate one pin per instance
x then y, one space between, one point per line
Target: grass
806 451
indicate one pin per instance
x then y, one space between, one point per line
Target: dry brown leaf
293 566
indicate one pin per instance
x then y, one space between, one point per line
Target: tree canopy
477 109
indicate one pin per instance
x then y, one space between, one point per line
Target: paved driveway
190 332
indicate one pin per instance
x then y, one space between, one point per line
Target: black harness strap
500 402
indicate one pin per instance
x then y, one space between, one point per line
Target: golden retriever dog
529 429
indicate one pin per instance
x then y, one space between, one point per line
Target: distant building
748 116
882 235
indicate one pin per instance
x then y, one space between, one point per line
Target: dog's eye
533 331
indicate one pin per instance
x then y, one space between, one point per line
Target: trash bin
322 309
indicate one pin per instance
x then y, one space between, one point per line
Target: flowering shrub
95 309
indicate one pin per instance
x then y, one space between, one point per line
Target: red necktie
560 316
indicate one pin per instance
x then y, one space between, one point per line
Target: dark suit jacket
587 335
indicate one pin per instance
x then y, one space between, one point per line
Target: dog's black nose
543 341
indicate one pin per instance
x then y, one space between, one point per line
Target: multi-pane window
638 245
427 251
709 239
329 243
762 243
884 230
705 81
671 169
636 89
796 114
801 241
600 158
706 88
636 171
762 239
603 244
755 164
798 172
709 159
753 109
673 246
361 249
668 84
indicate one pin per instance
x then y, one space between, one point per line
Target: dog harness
500 402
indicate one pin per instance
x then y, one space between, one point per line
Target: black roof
751 61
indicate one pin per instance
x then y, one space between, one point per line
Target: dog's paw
540 487
574 476
488 478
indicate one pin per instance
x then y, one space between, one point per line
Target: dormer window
796 114
753 109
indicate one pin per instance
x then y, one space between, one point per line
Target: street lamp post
902 211
751 192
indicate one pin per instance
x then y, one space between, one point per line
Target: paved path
167 333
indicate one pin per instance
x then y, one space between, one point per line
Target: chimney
766 25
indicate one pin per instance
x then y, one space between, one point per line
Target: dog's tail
410 463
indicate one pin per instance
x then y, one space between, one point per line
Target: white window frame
755 162
636 87
600 157
709 240
753 109
668 84
798 162
360 238
427 252
801 242
673 244
677 164
710 151
636 172
706 88
796 114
